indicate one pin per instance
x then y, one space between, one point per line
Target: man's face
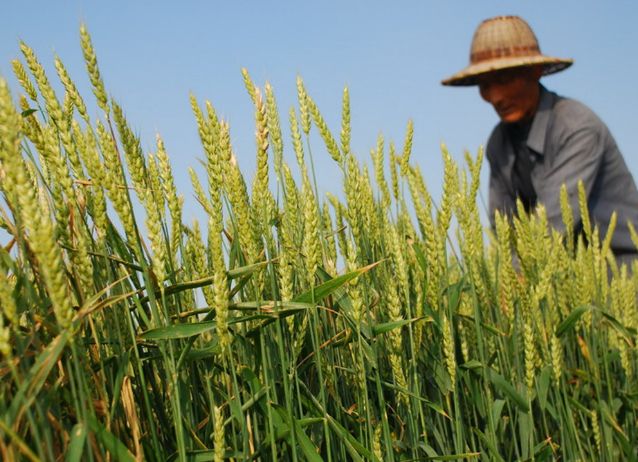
514 93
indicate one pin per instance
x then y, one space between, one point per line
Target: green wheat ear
568 218
379 164
606 245
324 131
174 200
219 435
584 211
274 129
261 180
92 68
394 176
23 78
154 211
407 148
448 348
303 106
311 245
50 99
345 123
450 187
71 89
250 86
9 307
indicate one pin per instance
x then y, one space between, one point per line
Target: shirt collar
536 137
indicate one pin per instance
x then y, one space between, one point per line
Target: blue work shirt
566 143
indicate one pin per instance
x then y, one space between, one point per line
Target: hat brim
469 75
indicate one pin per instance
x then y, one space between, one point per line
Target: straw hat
504 42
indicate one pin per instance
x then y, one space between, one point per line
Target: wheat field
368 324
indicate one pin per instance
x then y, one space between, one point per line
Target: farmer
544 140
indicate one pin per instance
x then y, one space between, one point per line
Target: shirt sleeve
579 157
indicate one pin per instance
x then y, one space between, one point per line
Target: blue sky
391 55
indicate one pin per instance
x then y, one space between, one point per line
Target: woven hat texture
504 42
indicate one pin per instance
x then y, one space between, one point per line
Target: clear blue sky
391 55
